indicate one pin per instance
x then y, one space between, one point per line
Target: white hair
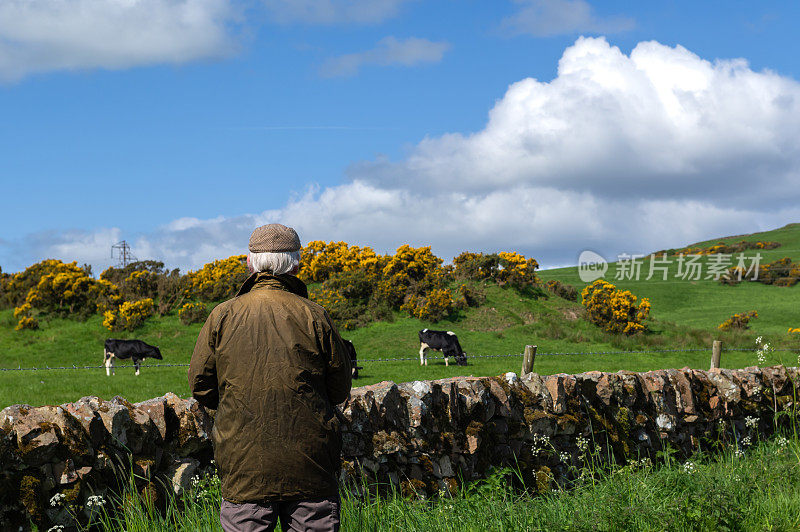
275 263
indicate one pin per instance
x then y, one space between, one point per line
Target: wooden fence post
528 358
716 352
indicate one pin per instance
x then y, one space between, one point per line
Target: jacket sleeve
203 367
339 376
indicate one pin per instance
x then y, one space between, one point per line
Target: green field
684 316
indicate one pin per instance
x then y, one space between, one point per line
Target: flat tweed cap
273 238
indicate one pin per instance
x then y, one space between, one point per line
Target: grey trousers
314 515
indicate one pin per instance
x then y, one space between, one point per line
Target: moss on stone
616 432
72 494
30 497
475 428
544 479
426 464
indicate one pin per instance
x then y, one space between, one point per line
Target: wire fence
397 359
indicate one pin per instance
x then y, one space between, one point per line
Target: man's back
273 366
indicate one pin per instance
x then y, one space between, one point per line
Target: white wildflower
195 481
746 441
763 349
739 453
57 528
751 421
782 442
540 442
582 443
645 462
95 501
56 499
689 467
564 456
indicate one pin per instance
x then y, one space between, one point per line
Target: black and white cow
124 349
444 341
351 349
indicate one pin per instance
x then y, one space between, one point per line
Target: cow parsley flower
95 501
762 350
689 467
739 453
751 421
540 442
782 442
746 441
582 443
56 499
564 456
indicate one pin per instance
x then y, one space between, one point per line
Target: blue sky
181 124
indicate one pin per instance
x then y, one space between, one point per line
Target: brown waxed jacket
273 366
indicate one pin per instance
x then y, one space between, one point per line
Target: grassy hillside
706 303
685 315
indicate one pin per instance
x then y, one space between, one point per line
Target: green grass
706 303
757 491
685 315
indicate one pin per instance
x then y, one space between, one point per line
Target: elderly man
273 366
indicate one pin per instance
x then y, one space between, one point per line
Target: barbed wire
398 359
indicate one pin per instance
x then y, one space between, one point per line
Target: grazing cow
123 349
351 349
444 341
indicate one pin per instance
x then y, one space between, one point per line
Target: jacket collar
263 280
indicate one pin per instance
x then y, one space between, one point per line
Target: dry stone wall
424 436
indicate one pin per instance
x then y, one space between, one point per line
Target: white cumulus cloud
389 51
658 123
44 35
619 153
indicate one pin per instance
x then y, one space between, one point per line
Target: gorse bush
475 266
131 315
22 313
738 321
217 280
143 279
359 286
562 290
356 285
15 287
615 311
722 247
504 268
372 287
319 260
781 272
65 290
434 306
192 313
517 271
